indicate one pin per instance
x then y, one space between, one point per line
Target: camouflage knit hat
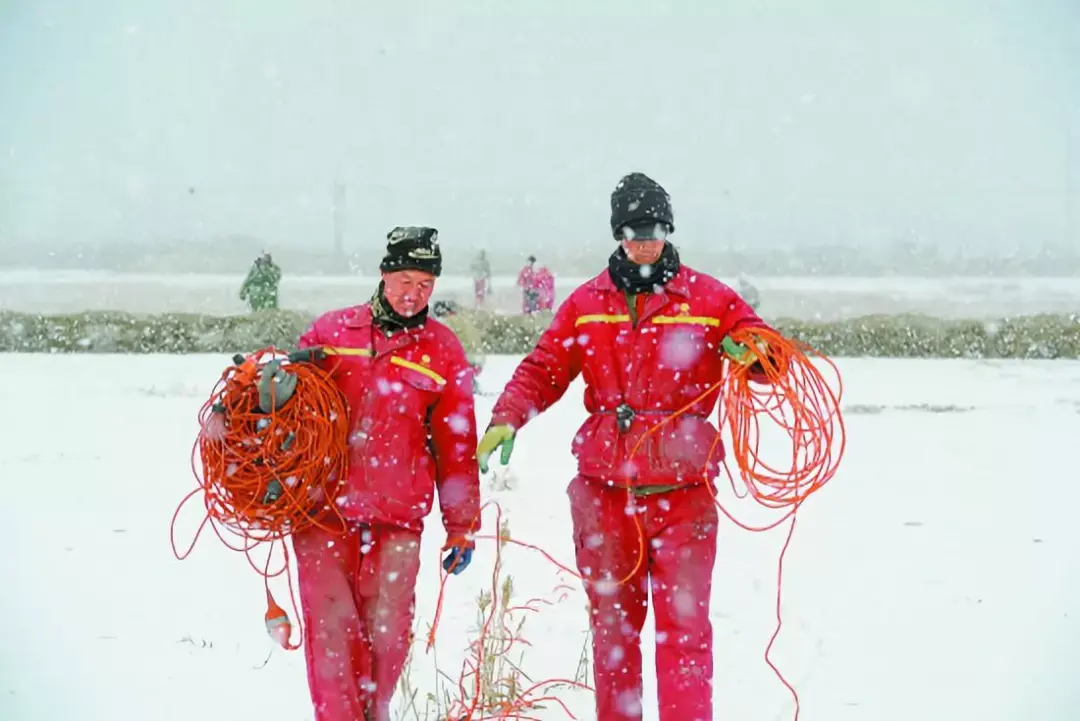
412 248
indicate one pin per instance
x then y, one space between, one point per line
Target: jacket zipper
370 402
632 372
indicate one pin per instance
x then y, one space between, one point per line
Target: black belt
625 415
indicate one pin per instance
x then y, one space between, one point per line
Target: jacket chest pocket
681 347
423 391
394 431
404 391
397 399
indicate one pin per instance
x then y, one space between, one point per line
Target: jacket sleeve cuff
507 418
466 533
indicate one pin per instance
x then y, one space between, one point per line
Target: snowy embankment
933 579
807 298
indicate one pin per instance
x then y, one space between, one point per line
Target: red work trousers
358 596
678 539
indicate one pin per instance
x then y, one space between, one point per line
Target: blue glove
459 557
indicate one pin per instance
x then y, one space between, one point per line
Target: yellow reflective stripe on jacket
331 350
660 319
686 319
601 318
418 368
368 353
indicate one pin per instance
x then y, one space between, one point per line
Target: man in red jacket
413 430
646 336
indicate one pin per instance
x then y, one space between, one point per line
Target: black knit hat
412 248
638 201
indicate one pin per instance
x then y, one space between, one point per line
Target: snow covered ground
934 578
798 297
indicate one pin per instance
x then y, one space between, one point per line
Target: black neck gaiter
633 278
387 319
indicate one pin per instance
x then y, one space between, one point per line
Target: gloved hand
739 353
751 357
495 436
276 387
460 554
307 355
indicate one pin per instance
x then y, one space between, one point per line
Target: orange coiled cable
264 475
778 382
784 386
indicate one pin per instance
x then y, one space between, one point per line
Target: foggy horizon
772 124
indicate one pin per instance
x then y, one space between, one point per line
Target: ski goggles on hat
644 231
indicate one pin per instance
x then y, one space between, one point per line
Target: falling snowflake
459 424
606 587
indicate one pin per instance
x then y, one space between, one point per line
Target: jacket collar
358 316
677 286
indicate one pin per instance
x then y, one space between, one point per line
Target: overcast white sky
509 122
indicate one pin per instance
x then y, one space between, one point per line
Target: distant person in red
530 290
545 285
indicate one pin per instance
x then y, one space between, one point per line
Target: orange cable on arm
772 378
